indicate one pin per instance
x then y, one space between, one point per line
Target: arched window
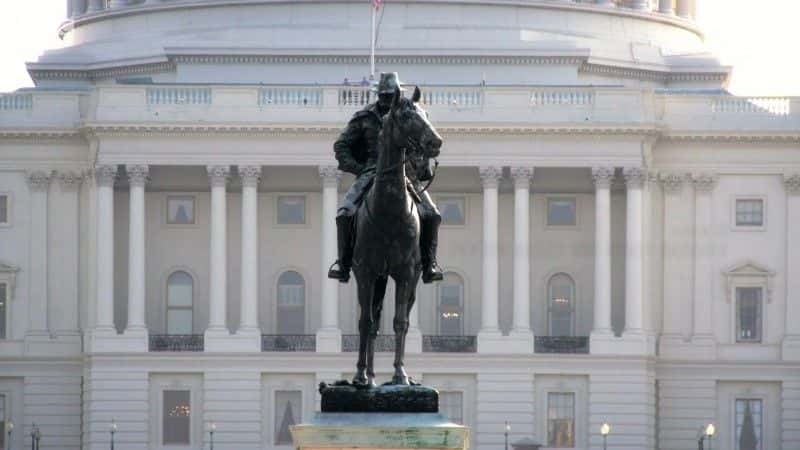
291 303
180 295
561 305
451 305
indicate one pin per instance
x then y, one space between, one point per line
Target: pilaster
703 340
791 339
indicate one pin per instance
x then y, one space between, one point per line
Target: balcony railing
383 343
562 344
176 343
16 102
288 343
449 344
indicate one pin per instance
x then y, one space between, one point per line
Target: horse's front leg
377 307
365 326
404 301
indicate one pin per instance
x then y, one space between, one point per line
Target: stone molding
704 182
490 176
672 182
218 175
39 180
138 175
250 175
792 183
522 176
105 175
602 177
330 174
634 177
71 180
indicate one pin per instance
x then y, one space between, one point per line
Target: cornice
28 134
654 75
734 136
453 59
40 72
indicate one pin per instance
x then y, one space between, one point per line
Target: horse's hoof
401 380
360 379
371 382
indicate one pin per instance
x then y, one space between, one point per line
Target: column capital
218 175
71 180
602 177
522 176
634 177
792 183
250 175
704 182
490 175
105 175
138 175
330 173
39 180
672 182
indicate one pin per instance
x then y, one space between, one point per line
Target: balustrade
449 344
16 102
559 97
288 343
454 97
290 96
178 96
383 343
562 344
779 106
176 343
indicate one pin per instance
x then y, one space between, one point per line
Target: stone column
65 256
665 7
250 176
791 339
39 184
603 177
95 5
114 4
522 269
674 259
329 337
105 177
683 9
634 180
490 329
217 324
702 332
137 178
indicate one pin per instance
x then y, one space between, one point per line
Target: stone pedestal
380 431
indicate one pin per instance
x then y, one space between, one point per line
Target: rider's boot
340 270
428 242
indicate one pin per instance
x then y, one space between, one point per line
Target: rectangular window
748 314
180 210
288 412
3 309
749 424
291 210
562 212
177 415
452 210
749 212
3 209
561 419
3 421
451 404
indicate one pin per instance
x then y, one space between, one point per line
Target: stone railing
561 344
449 344
777 106
562 97
288 343
178 95
383 343
290 96
176 343
456 97
16 102
355 96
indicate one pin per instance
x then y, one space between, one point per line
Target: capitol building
617 234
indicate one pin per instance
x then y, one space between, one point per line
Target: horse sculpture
387 241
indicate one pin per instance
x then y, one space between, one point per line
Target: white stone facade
621 240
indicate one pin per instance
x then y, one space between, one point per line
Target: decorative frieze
218 175
105 175
672 181
250 175
39 180
792 183
522 176
634 177
704 182
71 180
490 176
138 175
603 177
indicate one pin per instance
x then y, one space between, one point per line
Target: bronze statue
388 223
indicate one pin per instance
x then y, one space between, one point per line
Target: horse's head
409 123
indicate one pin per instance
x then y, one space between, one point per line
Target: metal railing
561 344
449 344
288 343
383 343
176 343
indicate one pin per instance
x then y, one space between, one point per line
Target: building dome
445 41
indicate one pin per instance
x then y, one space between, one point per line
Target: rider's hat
389 81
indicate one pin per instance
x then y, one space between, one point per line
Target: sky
758 38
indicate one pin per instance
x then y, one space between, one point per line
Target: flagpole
372 42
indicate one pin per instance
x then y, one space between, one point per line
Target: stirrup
432 272
341 274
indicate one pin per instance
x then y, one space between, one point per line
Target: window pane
3 306
288 412
291 210
180 210
3 209
452 209
451 404
177 417
748 424
179 321
451 305
561 419
179 289
561 212
748 312
750 212
561 304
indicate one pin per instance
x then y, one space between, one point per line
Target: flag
376 3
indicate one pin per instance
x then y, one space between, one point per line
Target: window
451 404
750 213
3 310
180 210
3 421
561 305
291 303
288 412
451 305
291 210
748 424
180 287
748 314
4 206
561 419
562 212
452 209
176 417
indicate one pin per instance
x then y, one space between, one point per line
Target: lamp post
35 436
707 433
112 430
605 429
9 430
211 429
508 428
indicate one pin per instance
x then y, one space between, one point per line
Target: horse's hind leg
404 301
377 306
365 325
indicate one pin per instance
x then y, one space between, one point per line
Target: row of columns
603 178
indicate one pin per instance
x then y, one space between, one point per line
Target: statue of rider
356 151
